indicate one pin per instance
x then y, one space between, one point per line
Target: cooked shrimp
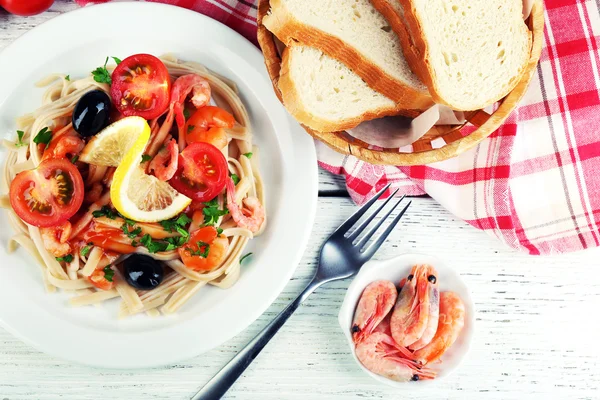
182 86
157 140
252 216
375 303
382 356
207 125
450 323
66 145
434 308
164 164
55 239
405 307
384 325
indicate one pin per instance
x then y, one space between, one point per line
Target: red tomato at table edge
26 8
141 86
44 178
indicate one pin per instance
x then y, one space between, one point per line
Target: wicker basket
456 141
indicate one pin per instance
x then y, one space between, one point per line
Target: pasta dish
139 182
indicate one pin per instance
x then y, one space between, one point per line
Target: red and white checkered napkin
534 183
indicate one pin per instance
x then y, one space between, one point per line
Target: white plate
394 270
75 44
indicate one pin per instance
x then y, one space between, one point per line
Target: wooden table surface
537 329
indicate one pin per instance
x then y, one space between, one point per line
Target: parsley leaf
186 113
219 231
108 273
86 250
190 128
68 77
235 178
117 60
75 158
44 136
145 158
68 258
249 155
171 225
101 74
20 140
130 234
203 250
244 257
105 211
212 213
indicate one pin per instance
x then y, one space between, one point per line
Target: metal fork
342 255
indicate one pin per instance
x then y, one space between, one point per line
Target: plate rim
310 180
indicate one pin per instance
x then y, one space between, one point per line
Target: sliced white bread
469 53
353 32
325 95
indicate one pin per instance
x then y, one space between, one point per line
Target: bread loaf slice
353 32
469 53
325 95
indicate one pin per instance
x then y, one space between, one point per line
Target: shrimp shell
375 303
434 308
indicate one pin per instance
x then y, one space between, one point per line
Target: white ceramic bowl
394 270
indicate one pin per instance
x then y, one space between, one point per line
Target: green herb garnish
75 158
20 139
235 178
203 249
248 155
212 212
219 231
86 250
130 234
190 128
105 211
68 258
101 74
171 225
68 78
44 136
244 257
117 60
145 158
186 114
108 273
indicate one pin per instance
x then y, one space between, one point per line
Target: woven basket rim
345 144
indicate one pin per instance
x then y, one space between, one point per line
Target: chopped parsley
212 212
190 128
244 257
171 225
68 78
186 113
248 155
105 211
145 158
86 250
235 178
219 231
101 74
75 158
117 60
130 234
44 136
68 258
203 250
108 273
20 139
170 243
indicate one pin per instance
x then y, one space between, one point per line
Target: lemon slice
142 197
109 146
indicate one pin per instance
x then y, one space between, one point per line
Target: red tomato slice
141 86
26 8
48 195
205 250
202 172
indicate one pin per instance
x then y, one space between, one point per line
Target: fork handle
226 377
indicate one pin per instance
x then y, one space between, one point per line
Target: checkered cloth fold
534 183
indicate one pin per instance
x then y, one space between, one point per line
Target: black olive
91 113
143 272
432 278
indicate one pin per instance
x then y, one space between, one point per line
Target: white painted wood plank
535 333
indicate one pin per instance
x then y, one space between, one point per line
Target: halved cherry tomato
205 250
48 195
26 7
98 279
202 172
141 86
206 125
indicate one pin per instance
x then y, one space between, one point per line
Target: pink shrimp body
252 216
450 323
55 239
402 315
375 303
381 355
434 308
384 325
164 164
